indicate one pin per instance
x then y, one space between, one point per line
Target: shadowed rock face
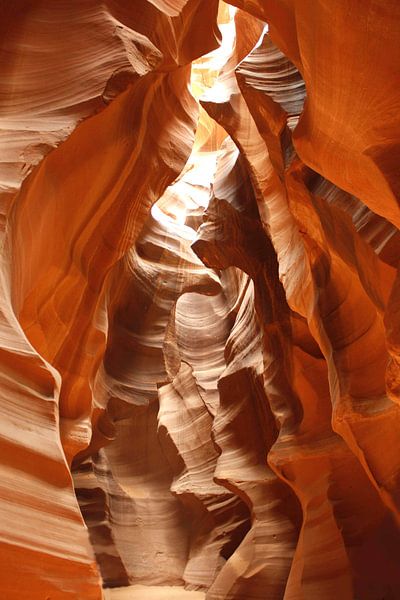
200 298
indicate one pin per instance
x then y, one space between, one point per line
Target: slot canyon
200 300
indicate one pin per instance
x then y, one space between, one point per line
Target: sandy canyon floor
142 592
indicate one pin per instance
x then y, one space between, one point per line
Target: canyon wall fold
200 292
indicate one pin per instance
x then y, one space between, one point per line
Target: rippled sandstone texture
200 301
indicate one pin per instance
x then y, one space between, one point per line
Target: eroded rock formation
200 298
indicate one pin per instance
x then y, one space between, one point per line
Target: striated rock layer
200 299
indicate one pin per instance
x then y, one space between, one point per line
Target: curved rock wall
200 323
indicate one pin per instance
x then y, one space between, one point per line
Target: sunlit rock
200 300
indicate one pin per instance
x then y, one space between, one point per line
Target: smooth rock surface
199 300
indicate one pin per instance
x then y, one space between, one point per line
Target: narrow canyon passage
200 307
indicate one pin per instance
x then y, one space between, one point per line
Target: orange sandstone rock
199 315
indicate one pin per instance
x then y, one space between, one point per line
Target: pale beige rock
199 308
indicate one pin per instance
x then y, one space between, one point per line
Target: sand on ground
143 592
